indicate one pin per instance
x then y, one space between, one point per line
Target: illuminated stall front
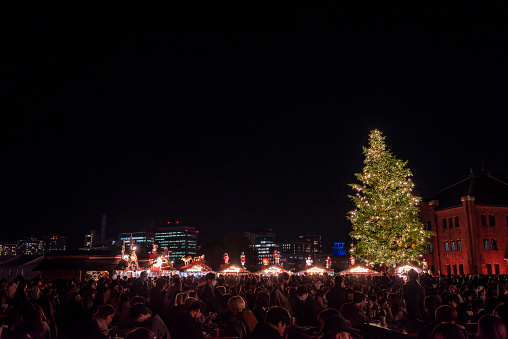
233 270
359 270
195 268
316 270
273 270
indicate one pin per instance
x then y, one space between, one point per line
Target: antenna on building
103 227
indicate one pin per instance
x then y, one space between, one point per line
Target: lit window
446 246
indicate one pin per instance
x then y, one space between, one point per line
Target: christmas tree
386 220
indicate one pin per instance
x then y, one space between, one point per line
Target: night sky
237 116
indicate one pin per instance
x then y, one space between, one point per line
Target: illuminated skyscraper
263 244
142 240
180 240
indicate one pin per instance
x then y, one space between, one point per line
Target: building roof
80 264
18 260
486 190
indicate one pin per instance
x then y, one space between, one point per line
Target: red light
185 230
270 229
169 222
197 231
177 221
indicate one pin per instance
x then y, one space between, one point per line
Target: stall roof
204 267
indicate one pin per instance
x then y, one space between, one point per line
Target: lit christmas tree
386 222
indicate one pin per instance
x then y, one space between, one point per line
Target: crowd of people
256 307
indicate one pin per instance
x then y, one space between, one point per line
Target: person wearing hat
336 327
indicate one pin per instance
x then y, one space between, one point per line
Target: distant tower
103 227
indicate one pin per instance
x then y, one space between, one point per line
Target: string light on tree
385 221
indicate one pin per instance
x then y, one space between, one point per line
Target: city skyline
234 116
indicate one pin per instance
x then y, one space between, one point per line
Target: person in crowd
156 299
305 310
353 311
447 331
140 286
320 300
278 296
98 327
491 327
276 321
336 296
49 316
444 314
336 327
431 303
21 297
261 306
142 317
175 287
31 323
140 333
325 314
187 325
236 320
177 310
13 288
502 312
413 296
501 293
35 290
208 295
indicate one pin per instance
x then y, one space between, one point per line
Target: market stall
232 270
316 270
195 268
359 270
272 270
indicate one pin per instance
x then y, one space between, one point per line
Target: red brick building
470 220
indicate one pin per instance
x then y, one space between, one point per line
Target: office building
31 246
54 243
315 242
180 241
294 254
142 241
263 244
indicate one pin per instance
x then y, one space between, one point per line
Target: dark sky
235 116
